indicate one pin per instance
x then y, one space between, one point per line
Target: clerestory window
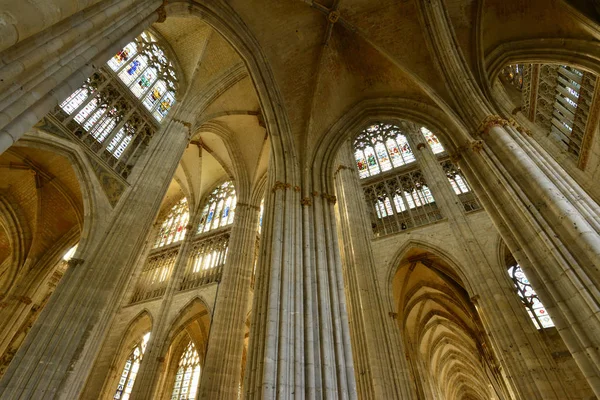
219 209
174 226
118 109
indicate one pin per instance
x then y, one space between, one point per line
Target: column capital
488 123
73 262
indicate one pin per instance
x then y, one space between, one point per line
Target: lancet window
432 140
130 370
117 110
173 227
220 208
188 374
461 186
536 310
381 147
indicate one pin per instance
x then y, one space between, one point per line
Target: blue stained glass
210 216
133 67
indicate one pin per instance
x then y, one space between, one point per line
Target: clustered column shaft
223 365
546 220
380 364
60 349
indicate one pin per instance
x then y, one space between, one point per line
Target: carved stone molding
519 127
280 186
306 201
73 262
239 203
488 123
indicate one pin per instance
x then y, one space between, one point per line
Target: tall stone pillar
40 72
145 386
223 364
379 359
58 353
548 222
524 358
299 344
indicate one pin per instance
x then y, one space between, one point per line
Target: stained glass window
188 375
130 370
432 140
513 74
145 69
535 308
108 120
173 227
219 209
381 147
461 186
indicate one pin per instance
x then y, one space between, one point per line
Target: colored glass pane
219 210
535 308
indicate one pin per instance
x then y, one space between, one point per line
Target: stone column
380 363
223 364
546 219
58 353
43 70
299 340
524 358
145 386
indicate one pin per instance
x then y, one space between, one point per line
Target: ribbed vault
441 331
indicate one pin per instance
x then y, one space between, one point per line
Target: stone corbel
421 146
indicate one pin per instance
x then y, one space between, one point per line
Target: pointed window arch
174 226
188 374
219 209
433 141
381 147
536 310
130 370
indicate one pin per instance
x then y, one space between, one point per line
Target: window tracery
401 202
460 186
130 370
536 310
381 147
144 68
116 123
188 374
173 227
220 208
558 98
